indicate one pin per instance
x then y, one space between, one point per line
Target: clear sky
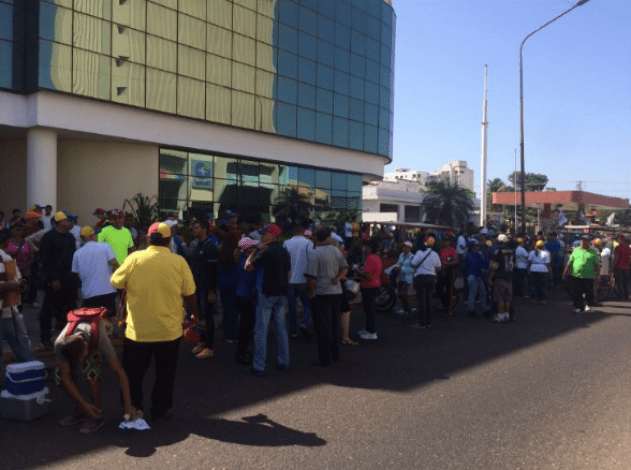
577 89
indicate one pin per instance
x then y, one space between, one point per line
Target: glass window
161 54
196 8
264 111
287 64
386 57
371 136
55 23
6 63
172 4
218 104
92 34
373 50
6 22
288 13
161 21
324 101
242 110
306 177
311 4
288 38
385 77
251 4
387 14
386 36
268 9
372 28
102 9
372 115
359 20
243 77
343 13
128 44
326 76
55 66
265 29
356 135
244 21
340 105
191 31
355 183
384 118
306 124
358 43
326 53
342 82
306 95
342 36
265 84
323 179
161 90
384 142
286 119
226 168
226 193
357 88
324 128
339 181
173 162
307 71
132 13
358 66
220 13
244 50
373 7
219 41
340 132
308 21
218 70
307 45
326 28
327 9
357 112
384 97
287 90
266 57
342 59
91 74
128 83
372 93
190 97
191 62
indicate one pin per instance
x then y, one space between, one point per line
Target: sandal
206 353
197 349
349 342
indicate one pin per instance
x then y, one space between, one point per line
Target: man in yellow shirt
156 281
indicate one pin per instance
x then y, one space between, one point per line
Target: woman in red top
446 277
621 264
370 283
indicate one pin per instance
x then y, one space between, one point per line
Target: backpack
503 262
91 315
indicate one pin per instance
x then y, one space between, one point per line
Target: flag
581 217
610 219
562 219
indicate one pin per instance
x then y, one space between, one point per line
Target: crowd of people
249 272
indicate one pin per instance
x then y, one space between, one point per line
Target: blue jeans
270 307
13 330
476 284
294 291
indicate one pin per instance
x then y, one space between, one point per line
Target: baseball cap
430 241
86 231
98 211
597 241
408 243
273 229
63 215
32 215
247 242
540 244
159 230
308 233
502 238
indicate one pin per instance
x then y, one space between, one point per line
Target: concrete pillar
41 167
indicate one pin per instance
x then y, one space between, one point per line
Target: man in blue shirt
553 246
474 263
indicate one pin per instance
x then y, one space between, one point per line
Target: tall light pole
521 110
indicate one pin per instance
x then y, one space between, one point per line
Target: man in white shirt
300 249
426 264
46 216
335 236
94 263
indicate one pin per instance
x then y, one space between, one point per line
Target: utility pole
485 126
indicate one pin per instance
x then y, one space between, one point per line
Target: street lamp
521 110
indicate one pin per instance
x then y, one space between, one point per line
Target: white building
453 172
400 196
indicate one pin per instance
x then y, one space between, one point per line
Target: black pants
325 310
583 286
108 301
622 282
424 287
444 287
136 360
57 304
247 314
369 295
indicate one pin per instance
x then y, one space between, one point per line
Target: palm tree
447 205
292 207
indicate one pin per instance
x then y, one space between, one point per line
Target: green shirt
119 240
584 263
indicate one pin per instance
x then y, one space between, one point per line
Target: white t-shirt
91 263
429 264
521 254
76 231
299 249
335 236
6 312
46 221
539 262
461 245
348 229
605 259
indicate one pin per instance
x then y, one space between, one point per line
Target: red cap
273 229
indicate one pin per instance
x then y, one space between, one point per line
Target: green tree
534 181
292 207
445 204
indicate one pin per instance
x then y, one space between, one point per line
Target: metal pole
515 191
485 125
521 111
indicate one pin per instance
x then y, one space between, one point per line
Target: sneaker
205 353
47 344
418 326
197 349
91 426
75 418
587 308
255 372
499 317
361 332
578 310
506 316
282 367
367 335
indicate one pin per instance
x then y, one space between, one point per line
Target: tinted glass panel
357 88
342 83
326 27
359 20
306 176
340 132
342 36
6 22
308 21
325 77
287 90
306 124
286 120
326 53
6 64
324 128
323 179
307 71
343 13
287 64
358 43
340 105
371 138
288 13
342 59
307 45
356 135
288 38
306 95
357 112
324 101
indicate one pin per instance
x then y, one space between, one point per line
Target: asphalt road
549 391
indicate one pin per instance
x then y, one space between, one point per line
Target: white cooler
23 407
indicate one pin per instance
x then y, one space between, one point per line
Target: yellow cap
60 216
597 241
87 231
540 244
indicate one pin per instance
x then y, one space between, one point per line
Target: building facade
208 104
454 172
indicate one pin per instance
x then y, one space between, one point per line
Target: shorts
91 369
503 291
